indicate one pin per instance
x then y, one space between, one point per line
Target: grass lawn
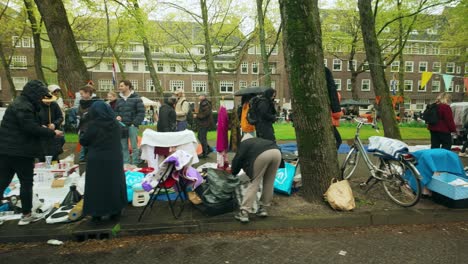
286 132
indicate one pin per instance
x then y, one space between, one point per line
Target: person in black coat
260 159
20 133
334 103
105 187
51 116
205 121
266 115
167 115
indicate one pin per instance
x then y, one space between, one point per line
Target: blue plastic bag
284 179
132 177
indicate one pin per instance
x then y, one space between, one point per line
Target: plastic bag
284 179
340 196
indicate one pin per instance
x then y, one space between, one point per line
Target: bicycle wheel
350 163
401 182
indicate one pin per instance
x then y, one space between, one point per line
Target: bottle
72 198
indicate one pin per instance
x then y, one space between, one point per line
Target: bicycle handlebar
361 123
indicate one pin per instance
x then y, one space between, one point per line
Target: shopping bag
340 196
284 179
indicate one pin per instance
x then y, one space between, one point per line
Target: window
466 67
420 103
254 68
409 65
325 62
16 42
422 66
458 69
19 62
421 89
254 84
19 82
105 85
408 85
395 66
394 86
226 87
159 66
275 50
156 49
97 67
172 67
349 85
150 86
175 85
457 88
109 65
134 84
199 86
201 50
242 84
273 84
352 63
251 50
26 42
135 66
450 67
436 67
146 66
338 84
337 65
272 66
244 68
365 85
0 84
436 86
365 66
450 88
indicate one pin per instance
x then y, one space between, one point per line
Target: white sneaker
26 220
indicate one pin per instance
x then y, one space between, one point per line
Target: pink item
222 131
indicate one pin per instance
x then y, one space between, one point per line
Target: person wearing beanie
20 134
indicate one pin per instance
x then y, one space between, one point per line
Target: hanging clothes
222 130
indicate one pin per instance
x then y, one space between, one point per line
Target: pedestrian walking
167 115
441 136
205 121
182 109
87 99
266 115
245 126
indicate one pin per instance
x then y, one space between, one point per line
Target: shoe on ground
242 216
262 212
31 218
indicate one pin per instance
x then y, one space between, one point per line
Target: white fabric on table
388 146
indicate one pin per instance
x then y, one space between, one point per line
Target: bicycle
397 173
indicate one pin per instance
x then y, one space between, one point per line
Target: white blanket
168 139
388 146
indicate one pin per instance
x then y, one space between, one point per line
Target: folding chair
165 183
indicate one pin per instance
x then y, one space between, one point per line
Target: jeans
24 168
133 136
181 125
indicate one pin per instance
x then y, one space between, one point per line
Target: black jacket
248 152
266 116
332 92
132 111
20 131
53 112
167 119
83 113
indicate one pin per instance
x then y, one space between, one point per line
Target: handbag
340 195
284 179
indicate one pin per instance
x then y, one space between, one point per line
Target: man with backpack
264 107
205 121
182 110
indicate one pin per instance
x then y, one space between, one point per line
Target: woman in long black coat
105 187
266 115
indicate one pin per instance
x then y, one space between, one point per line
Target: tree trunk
146 48
6 66
210 67
70 65
304 60
374 58
36 33
264 55
354 87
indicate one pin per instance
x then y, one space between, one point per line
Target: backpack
189 113
431 114
252 114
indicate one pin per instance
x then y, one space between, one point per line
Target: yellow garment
246 127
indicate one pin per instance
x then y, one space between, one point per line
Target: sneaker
262 212
242 216
26 220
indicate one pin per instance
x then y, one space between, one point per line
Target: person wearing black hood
87 99
51 116
266 115
20 133
167 115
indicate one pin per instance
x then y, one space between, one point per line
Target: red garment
445 123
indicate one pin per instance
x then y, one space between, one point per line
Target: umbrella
251 90
351 102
